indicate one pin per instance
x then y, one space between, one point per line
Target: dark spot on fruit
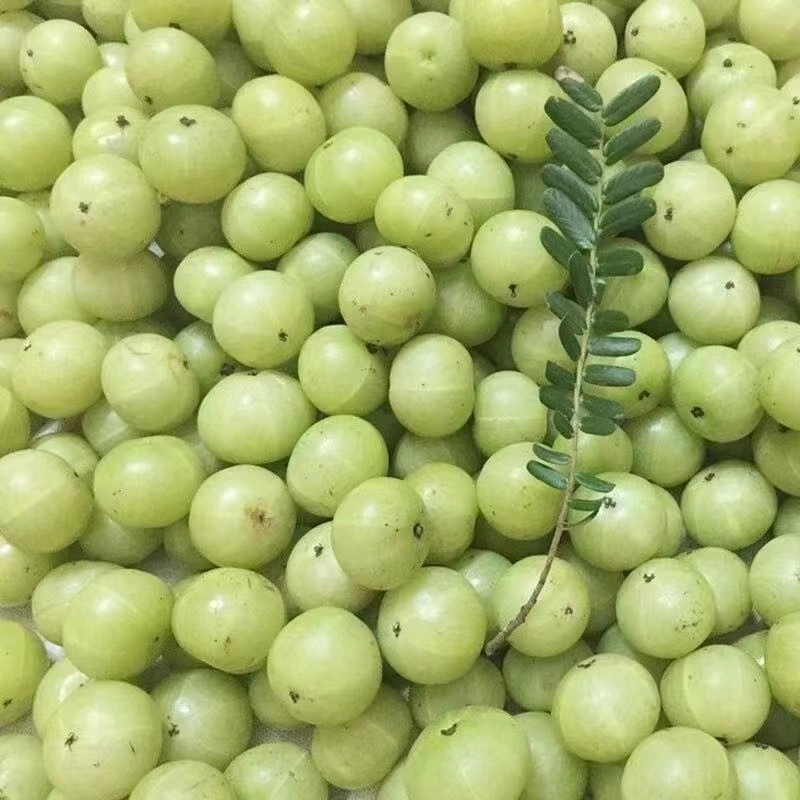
451 730
27 347
293 696
644 394
173 731
227 369
710 476
7 703
260 519
132 748
227 643
569 37
122 121
648 577
185 363
449 211
318 550
70 740
760 746
568 612
730 285
252 373
187 122
740 125
727 63
418 531
327 144
396 628
782 429
796 101
283 336
83 208
729 151
148 99
175 25
96 765
372 348
609 502
586 664
512 288
634 31
698 412
29 53
722 739
669 213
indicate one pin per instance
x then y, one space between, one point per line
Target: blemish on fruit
396 628
187 122
698 412
418 531
450 731
648 577
293 696
318 550
70 740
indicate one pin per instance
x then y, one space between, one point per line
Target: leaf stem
500 640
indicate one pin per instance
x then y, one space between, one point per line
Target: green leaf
551 456
598 426
630 213
558 376
563 425
572 186
630 99
616 262
576 504
556 399
580 272
569 338
584 520
633 180
547 475
562 306
594 483
569 217
609 375
570 152
610 321
614 346
574 121
630 140
582 93
559 247
601 407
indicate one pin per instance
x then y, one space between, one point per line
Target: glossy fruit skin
325 642
249 613
483 735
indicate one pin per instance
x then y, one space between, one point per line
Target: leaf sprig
590 203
